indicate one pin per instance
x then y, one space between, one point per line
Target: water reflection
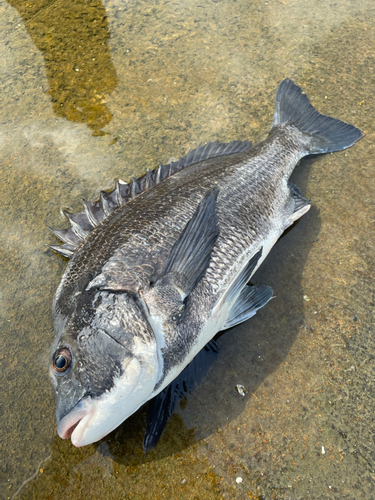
120 456
73 37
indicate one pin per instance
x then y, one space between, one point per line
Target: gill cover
113 365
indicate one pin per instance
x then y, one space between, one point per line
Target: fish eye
61 361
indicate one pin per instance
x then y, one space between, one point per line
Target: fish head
103 363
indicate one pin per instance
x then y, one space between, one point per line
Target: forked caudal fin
327 134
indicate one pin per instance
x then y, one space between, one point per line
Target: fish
157 267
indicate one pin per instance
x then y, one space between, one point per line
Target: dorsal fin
84 222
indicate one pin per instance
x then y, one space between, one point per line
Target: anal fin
249 301
301 204
242 278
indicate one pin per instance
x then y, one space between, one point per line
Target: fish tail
323 134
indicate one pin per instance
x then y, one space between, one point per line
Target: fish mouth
69 431
74 423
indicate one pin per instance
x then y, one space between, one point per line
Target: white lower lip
77 434
75 417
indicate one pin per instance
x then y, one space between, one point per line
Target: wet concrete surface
91 92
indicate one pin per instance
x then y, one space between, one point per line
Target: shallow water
93 91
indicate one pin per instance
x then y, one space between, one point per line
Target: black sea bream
160 266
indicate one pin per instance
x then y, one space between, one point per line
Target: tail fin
327 134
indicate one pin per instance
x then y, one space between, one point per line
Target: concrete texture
90 92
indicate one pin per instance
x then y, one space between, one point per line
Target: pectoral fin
164 404
190 255
249 301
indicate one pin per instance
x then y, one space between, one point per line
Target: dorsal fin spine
83 223
104 204
158 174
78 230
89 213
134 188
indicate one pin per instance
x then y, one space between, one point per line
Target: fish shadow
248 353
